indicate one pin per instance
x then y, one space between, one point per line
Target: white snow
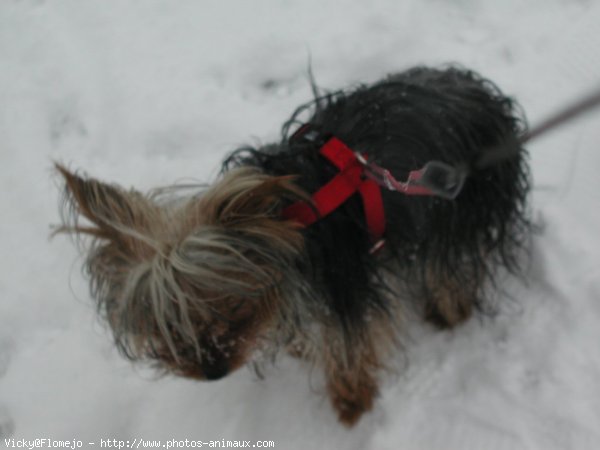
148 93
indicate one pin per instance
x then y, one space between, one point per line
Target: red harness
351 179
358 175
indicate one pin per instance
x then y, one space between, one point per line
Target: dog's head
192 282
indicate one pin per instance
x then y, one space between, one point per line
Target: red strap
373 205
341 187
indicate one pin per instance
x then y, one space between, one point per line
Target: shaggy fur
200 283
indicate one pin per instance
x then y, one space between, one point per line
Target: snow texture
149 93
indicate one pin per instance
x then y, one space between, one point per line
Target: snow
149 93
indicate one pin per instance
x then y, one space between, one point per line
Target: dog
390 202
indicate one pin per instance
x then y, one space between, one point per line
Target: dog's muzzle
215 364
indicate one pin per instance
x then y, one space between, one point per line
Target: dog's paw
350 411
352 400
446 314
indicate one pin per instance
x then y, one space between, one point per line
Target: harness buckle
434 178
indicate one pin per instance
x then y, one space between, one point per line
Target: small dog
311 244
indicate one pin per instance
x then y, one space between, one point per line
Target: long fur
403 122
167 272
199 283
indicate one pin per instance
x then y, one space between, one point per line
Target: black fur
402 122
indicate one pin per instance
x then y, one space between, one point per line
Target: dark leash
447 181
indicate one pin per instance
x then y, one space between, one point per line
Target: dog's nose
215 370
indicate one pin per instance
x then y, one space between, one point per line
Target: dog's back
432 244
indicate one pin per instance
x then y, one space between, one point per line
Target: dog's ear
247 202
246 194
261 198
112 211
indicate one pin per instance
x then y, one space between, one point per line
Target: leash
446 181
571 112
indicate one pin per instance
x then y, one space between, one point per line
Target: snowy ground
148 93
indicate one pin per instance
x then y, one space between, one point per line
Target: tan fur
198 283
352 373
449 303
189 280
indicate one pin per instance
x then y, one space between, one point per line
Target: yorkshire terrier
312 244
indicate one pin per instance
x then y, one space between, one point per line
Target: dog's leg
449 301
351 385
351 390
351 369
